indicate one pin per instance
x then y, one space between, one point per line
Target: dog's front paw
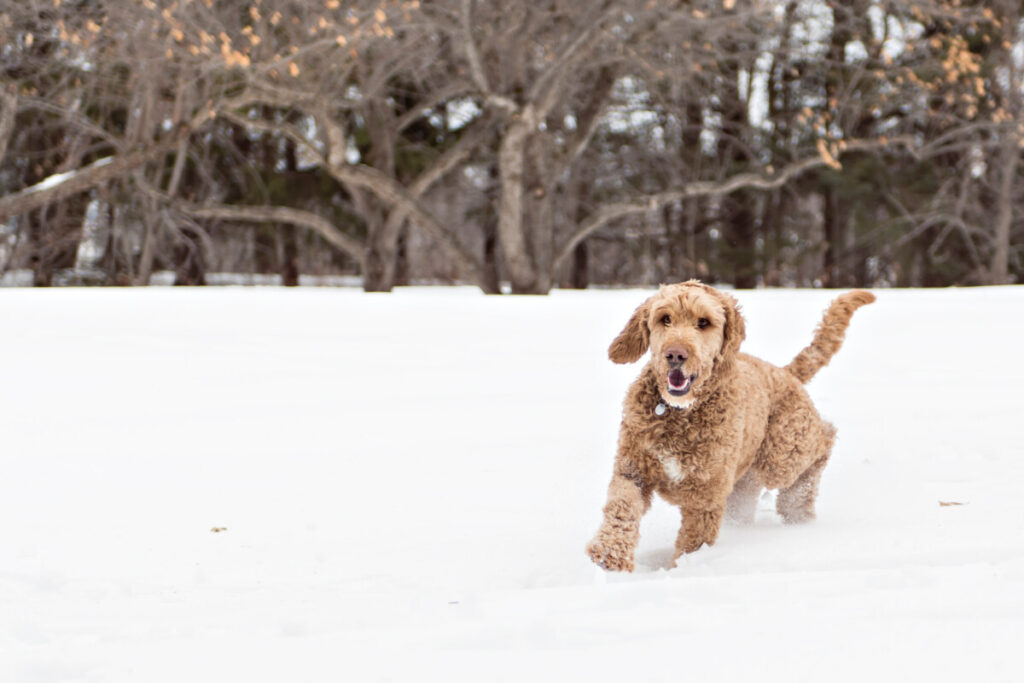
609 554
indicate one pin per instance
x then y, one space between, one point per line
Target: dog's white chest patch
672 468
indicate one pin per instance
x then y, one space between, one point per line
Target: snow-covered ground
406 483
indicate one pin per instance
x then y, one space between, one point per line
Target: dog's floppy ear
735 327
635 337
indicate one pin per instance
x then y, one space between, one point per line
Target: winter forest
515 146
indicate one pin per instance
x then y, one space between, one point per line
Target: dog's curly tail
828 336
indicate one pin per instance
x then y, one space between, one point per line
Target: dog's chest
673 444
672 465
672 468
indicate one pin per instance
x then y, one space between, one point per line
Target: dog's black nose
676 355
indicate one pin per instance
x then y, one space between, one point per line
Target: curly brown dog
707 427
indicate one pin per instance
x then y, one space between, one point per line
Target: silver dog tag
660 409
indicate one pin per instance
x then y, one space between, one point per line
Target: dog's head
694 332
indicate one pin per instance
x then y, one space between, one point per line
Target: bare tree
741 141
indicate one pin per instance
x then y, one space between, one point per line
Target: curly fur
735 426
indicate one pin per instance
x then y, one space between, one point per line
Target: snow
60 178
406 483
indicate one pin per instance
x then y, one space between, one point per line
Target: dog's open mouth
679 383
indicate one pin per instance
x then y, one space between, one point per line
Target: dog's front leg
700 526
613 546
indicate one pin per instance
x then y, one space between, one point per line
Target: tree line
538 144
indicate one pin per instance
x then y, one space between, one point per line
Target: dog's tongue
676 379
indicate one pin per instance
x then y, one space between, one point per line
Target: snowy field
404 485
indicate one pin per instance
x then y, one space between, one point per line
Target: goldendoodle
707 427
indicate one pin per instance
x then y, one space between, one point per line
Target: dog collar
663 407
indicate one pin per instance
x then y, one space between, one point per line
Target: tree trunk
53 239
379 273
492 281
189 260
37 260
148 254
289 254
672 220
833 273
579 278
743 236
155 221
383 225
540 229
381 244
511 162
999 271
774 215
287 235
8 112
381 253
830 274
402 258
694 267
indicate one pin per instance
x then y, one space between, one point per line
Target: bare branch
392 193
337 144
280 214
8 109
57 188
387 189
547 88
704 188
440 168
436 98
470 140
179 167
73 117
287 130
475 65
589 118
501 102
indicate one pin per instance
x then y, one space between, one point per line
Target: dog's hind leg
795 503
741 506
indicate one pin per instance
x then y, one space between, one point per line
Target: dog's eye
703 322
666 320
